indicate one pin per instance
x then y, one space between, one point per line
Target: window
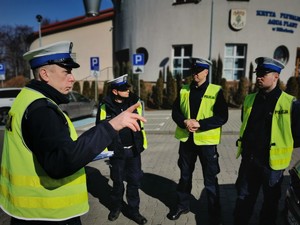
144 51
234 61
282 54
297 66
181 60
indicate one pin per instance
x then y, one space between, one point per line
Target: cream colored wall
88 41
158 25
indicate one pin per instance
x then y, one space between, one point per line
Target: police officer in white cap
269 132
42 177
125 164
199 112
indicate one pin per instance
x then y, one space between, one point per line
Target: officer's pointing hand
127 119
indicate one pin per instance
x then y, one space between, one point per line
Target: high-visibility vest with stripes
140 112
281 145
26 191
209 137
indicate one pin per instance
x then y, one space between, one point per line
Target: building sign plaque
237 19
280 22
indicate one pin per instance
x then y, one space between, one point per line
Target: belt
128 147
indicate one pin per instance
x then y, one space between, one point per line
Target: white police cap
268 64
201 62
57 53
119 82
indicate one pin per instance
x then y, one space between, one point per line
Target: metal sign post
138 66
2 73
95 68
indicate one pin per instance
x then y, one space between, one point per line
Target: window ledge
181 3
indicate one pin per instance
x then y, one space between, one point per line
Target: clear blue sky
23 12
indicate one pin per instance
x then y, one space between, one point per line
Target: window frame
282 54
183 56
234 70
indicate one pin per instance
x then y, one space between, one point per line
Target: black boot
114 214
139 219
177 213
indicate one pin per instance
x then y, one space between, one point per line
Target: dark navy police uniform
255 170
125 164
207 154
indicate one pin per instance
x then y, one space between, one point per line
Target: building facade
92 38
169 32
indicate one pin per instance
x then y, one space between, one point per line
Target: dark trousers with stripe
127 168
252 176
208 156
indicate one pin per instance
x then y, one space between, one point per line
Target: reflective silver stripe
128 147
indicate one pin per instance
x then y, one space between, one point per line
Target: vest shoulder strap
44 102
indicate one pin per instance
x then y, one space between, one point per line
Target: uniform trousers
208 155
73 221
127 168
252 176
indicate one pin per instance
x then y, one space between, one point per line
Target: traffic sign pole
138 67
2 73
95 67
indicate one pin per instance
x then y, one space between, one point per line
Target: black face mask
118 97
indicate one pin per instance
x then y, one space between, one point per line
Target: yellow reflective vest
209 137
282 143
26 191
140 112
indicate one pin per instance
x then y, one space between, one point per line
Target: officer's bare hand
192 125
127 119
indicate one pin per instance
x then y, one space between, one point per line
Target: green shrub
242 91
76 87
86 88
171 92
292 86
158 91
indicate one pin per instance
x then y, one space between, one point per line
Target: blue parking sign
2 68
138 60
95 63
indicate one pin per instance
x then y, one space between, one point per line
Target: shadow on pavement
164 190
98 186
160 188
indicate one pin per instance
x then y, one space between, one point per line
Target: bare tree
14 42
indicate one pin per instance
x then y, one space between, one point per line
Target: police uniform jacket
257 135
46 133
126 137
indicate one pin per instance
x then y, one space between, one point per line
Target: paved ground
161 175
